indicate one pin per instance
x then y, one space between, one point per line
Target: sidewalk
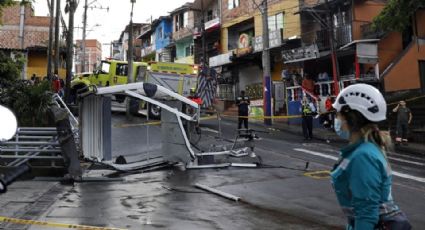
329 136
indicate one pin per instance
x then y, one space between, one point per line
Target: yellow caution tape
263 117
251 117
155 123
137 124
53 224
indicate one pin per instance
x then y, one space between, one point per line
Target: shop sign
243 51
257 103
301 54
275 40
221 59
244 41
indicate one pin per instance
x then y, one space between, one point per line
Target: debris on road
218 192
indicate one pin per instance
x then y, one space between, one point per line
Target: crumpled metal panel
96 128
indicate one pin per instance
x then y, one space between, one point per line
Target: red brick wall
245 7
36 29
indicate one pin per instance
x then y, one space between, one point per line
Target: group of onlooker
57 83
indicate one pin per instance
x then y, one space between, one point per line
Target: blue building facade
163 28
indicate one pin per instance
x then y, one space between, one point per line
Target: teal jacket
362 183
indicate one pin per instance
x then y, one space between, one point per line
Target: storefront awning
359 41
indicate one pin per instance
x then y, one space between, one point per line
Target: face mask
338 129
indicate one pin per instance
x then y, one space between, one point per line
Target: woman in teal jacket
362 176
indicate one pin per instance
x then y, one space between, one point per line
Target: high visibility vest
307 110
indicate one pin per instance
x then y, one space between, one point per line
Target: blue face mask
338 130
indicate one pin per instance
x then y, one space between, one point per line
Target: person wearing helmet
362 176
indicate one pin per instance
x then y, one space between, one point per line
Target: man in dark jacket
404 118
243 109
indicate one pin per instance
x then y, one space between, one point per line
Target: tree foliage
397 14
29 102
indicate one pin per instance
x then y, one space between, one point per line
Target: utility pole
204 52
267 83
71 6
57 42
130 57
50 48
83 42
335 64
130 45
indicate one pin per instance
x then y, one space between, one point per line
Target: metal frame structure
31 143
158 95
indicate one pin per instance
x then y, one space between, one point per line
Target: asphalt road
279 196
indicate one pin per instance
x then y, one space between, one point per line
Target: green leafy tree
29 102
397 14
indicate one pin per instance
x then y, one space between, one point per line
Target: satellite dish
8 124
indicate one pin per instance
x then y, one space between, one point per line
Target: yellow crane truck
180 78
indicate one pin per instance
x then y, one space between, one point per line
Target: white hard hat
364 98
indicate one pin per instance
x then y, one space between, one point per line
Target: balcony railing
341 36
325 88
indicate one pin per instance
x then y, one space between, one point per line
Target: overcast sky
106 25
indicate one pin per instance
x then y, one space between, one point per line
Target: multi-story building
116 47
338 47
239 61
138 28
23 33
147 41
403 56
331 51
207 29
93 55
162 29
183 29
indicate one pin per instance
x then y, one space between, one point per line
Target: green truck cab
110 72
177 77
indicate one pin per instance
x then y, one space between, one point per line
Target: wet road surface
278 196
